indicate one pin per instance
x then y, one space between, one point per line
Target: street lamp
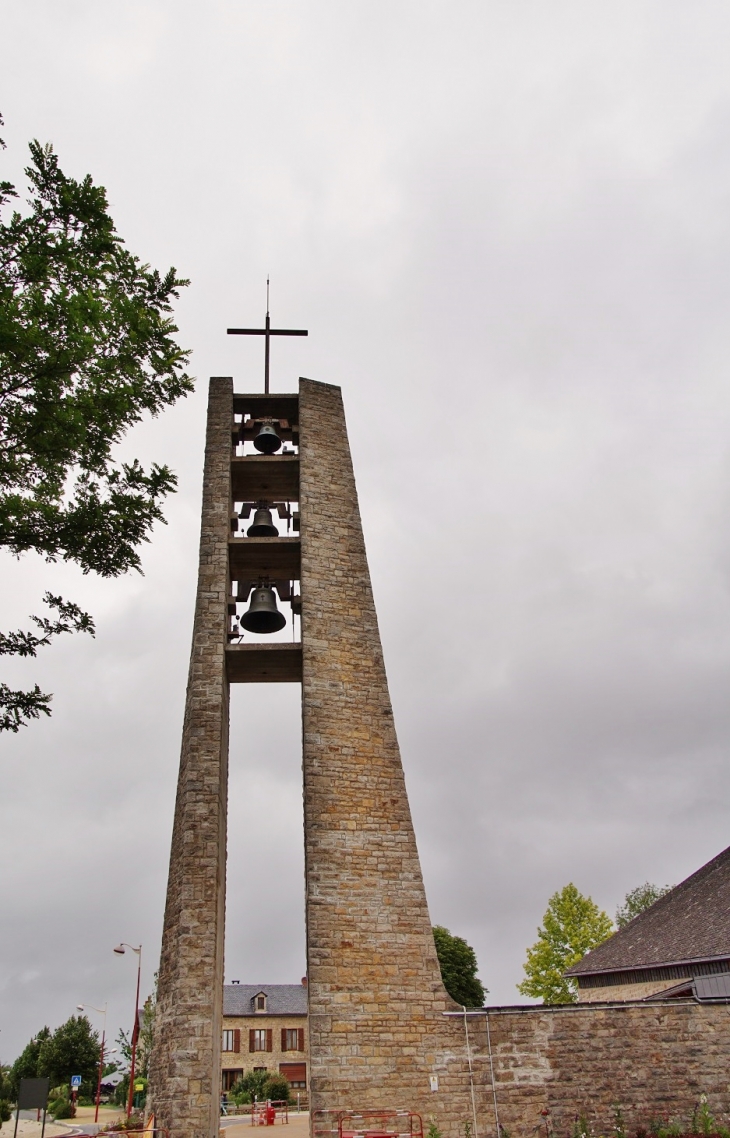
102 1012
120 949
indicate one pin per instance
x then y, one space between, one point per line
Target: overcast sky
506 226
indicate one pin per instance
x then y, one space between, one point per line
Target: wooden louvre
294 1072
269 1039
251 1039
301 1038
237 1039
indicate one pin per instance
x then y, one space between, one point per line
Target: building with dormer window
265 1028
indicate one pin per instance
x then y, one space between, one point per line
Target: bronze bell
263 525
267 440
262 614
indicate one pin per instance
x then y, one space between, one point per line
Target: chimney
304 981
235 981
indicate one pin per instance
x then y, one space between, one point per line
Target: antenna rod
268 340
266 355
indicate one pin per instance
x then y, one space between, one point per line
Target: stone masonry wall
376 1000
655 1060
185 1064
614 992
246 1060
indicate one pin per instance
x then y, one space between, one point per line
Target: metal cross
268 331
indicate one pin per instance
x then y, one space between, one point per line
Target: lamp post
102 1012
120 949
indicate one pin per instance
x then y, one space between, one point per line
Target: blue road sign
76 1080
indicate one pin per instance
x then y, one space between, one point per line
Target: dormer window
259 1002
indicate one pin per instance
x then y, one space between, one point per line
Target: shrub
5 1111
62 1108
260 1085
277 1088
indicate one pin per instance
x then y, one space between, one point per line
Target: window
259 1002
296 1073
260 1039
232 1040
292 1039
230 1078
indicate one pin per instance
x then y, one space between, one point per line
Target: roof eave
641 967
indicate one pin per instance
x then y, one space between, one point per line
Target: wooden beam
265 477
278 558
267 406
264 663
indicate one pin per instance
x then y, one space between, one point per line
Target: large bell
263 525
267 440
262 614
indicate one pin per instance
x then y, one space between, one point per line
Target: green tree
73 1049
26 1065
572 926
458 963
86 349
261 1085
6 1093
637 900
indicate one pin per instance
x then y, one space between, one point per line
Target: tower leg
186 1058
376 1000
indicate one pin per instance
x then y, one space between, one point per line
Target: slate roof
689 924
281 999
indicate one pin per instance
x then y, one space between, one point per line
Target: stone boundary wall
654 1060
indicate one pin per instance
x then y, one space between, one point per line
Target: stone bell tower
378 1033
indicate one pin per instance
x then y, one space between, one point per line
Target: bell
262 614
267 440
262 526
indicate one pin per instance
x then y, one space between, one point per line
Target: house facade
265 1029
678 948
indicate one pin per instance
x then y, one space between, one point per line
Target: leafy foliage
458 963
86 349
572 926
145 1039
6 1093
61 1108
19 706
261 1085
637 900
26 1065
73 1049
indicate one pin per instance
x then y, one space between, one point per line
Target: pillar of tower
185 1063
376 1000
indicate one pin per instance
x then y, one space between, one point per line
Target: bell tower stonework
380 1035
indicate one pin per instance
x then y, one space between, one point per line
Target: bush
62 1108
261 1085
5 1111
121 1092
277 1088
